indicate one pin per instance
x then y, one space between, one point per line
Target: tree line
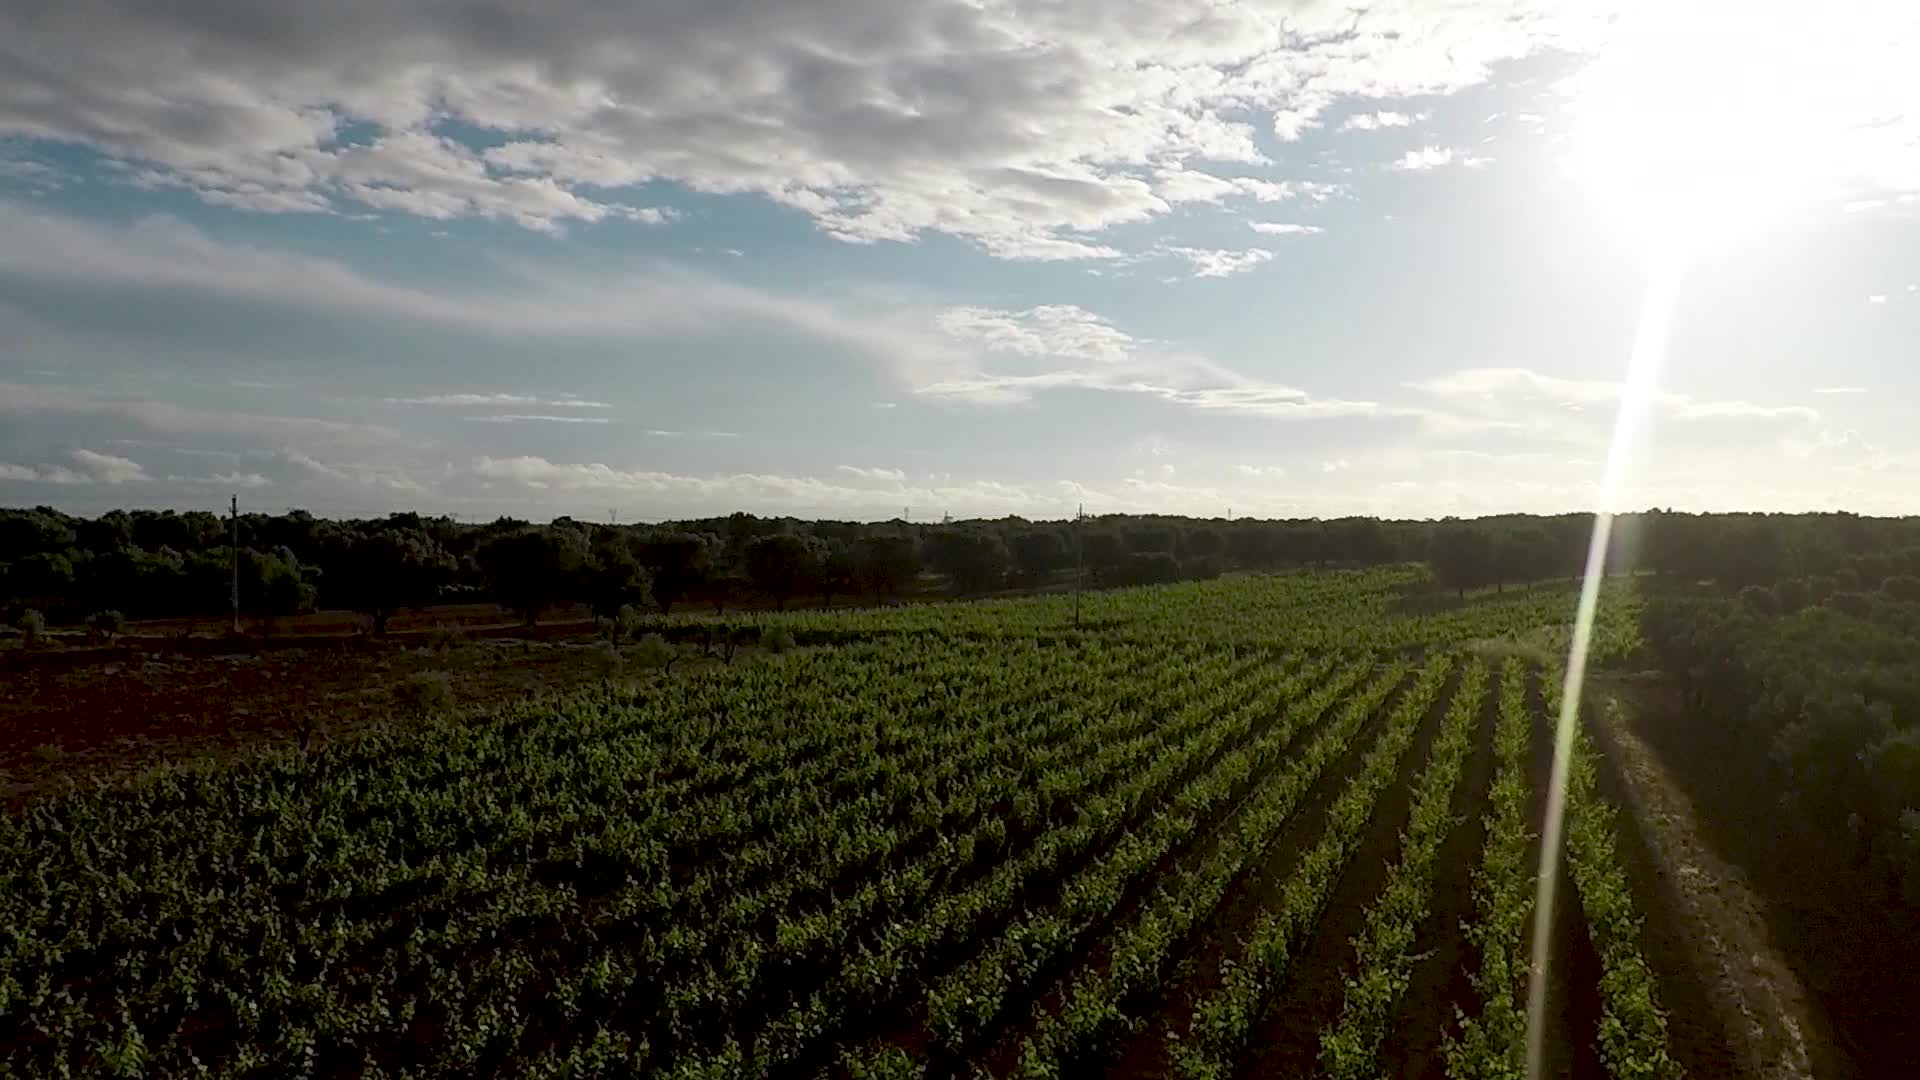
163 564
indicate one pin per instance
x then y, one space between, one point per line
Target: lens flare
1649 345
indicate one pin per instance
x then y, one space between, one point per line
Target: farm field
1258 826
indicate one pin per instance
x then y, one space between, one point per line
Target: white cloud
472 401
1435 157
630 298
1336 465
25 399
242 481
92 467
1877 298
1219 262
1261 472
535 418
1375 121
1064 347
1284 228
891 475
109 468
1840 390
1025 128
880 492
1522 402
36 175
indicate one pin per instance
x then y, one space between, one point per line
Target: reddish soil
77 714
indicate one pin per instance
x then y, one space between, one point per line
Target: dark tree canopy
782 564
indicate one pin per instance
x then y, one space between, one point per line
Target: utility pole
1079 561
233 559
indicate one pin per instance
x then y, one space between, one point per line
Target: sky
672 258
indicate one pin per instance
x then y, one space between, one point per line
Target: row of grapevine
1378 609
499 882
1384 950
1492 1043
874 976
1224 1019
1633 1028
1094 1010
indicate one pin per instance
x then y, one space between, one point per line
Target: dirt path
1758 1003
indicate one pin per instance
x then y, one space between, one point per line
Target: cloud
1022 128
472 401
535 418
23 399
1520 402
891 475
880 492
1877 298
1840 390
1219 262
1261 472
1065 347
36 175
92 467
1284 228
242 481
1435 157
1375 121
108 468
626 299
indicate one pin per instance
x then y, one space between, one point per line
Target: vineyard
1261 826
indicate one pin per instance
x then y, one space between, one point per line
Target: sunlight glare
1703 118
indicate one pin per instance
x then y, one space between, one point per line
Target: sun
1702 118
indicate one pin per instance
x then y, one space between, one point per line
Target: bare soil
82 714
1737 938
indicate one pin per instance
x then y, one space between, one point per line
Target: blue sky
980 258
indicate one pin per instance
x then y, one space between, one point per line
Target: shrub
1904 587
1760 599
1791 595
446 636
426 693
622 626
1852 603
776 639
606 656
32 626
654 651
107 625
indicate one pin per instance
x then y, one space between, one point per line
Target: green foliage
106 625
783 564
426 693
653 651
32 627
777 639
937 815
530 570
